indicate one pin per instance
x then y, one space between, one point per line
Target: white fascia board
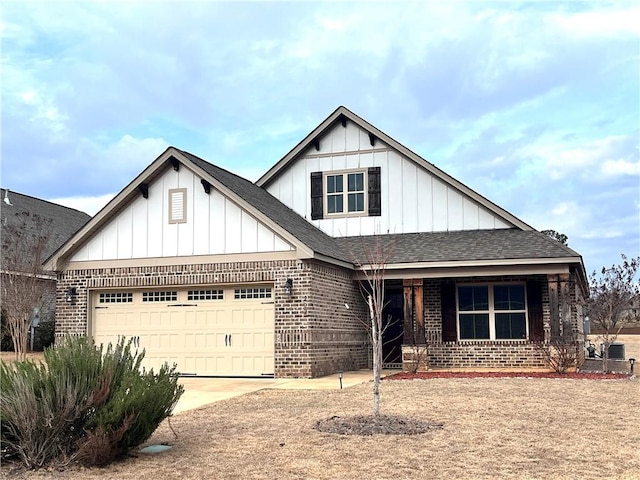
437 269
458 272
333 261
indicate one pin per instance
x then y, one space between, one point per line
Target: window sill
329 216
493 341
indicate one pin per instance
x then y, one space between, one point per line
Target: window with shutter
534 303
492 312
375 198
316 196
345 193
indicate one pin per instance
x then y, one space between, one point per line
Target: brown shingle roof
470 245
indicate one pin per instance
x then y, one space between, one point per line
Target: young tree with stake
375 256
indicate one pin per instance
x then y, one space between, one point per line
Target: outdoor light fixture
631 362
288 286
71 294
340 372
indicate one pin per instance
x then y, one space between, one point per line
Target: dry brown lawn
11 356
494 428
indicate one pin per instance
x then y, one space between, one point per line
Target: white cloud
565 158
90 204
44 112
606 22
602 233
129 150
612 168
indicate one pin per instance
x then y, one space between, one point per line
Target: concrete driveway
199 391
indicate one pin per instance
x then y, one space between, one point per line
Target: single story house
227 277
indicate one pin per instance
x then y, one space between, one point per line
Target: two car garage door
225 331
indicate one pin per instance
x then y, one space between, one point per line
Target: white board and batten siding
413 199
214 225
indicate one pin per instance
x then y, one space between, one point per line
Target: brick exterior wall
314 333
339 340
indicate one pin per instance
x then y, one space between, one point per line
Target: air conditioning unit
616 351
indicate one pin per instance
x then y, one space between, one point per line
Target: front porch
428 326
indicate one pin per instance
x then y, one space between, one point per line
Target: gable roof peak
312 138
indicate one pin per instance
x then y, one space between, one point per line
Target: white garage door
221 331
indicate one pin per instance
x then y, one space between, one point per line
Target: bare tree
375 256
24 282
612 294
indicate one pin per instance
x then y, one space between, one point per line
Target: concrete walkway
202 391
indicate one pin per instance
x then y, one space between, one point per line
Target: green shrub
41 414
83 403
6 342
44 336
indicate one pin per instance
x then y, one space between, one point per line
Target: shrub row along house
228 277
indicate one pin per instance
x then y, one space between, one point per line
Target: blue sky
535 105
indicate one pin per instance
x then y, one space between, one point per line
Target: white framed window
177 205
252 293
345 193
492 312
116 297
160 296
208 294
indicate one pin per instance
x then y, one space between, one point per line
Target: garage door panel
214 334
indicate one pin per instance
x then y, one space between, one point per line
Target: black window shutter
375 202
534 304
448 303
316 196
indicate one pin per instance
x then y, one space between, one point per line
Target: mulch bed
367 425
445 374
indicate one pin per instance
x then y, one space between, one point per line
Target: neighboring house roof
55 221
343 114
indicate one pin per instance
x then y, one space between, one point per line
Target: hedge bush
82 404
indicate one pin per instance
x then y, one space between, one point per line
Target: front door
393 316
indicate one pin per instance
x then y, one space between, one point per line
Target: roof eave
448 269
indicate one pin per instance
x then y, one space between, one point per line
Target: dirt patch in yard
507 428
375 425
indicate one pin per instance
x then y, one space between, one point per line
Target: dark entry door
393 315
